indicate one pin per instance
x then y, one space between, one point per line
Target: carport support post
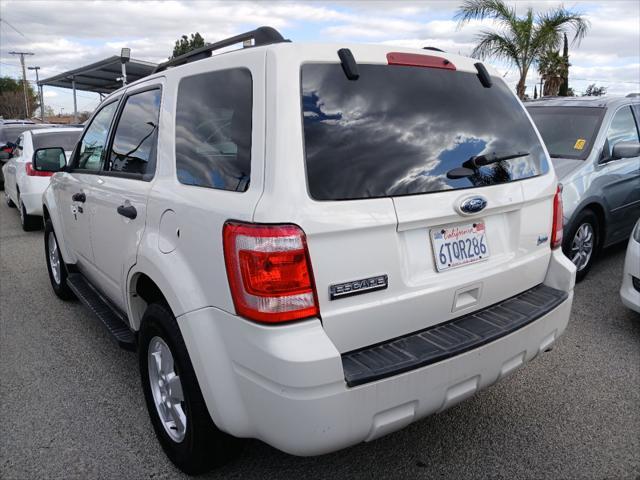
75 102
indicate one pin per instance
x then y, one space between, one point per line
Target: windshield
66 140
568 132
398 130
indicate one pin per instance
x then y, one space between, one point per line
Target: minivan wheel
581 245
55 264
175 403
29 222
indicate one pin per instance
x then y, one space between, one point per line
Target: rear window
398 130
10 133
66 140
568 132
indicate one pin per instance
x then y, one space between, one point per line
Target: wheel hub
54 258
582 246
166 389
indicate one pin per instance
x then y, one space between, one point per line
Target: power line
3 20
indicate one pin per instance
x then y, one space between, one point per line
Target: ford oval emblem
473 205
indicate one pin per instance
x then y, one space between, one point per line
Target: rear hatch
396 244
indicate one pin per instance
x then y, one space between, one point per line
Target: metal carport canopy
101 77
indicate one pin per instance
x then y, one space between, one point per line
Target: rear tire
193 442
582 243
8 200
55 264
29 222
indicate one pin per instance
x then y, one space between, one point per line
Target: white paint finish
628 293
285 385
168 232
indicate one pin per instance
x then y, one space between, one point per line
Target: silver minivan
594 144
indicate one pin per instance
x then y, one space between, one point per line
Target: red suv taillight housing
269 272
556 229
28 167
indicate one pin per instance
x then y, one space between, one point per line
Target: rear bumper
629 294
286 385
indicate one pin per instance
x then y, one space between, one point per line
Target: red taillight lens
269 272
35 173
556 230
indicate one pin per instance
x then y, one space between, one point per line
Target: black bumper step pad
114 322
449 339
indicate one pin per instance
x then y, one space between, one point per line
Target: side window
133 148
92 146
213 130
622 128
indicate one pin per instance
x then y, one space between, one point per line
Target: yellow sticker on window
580 143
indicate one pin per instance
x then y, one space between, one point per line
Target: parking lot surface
72 406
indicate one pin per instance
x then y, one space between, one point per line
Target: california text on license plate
459 245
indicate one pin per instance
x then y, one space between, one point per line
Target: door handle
79 197
128 211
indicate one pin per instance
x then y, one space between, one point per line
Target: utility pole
24 80
39 92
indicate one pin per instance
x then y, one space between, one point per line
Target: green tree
553 70
564 87
593 91
12 99
520 40
186 44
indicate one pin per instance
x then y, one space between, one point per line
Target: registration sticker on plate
459 245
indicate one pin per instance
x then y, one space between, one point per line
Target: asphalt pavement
71 405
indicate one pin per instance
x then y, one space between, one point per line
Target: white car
24 184
311 245
630 290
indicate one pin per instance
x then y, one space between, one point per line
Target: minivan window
92 146
622 129
213 130
398 130
133 148
568 132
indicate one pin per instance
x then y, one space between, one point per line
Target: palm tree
521 40
553 70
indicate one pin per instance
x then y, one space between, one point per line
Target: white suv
311 245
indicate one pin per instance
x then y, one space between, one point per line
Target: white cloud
68 34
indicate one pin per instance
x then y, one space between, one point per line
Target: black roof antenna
483 75
349 64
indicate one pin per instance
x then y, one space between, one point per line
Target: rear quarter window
213 130
398 130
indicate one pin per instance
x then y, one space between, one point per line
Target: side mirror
625 150
49 160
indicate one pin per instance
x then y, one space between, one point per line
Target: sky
65 35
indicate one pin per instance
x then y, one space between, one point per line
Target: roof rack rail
435 49
260 36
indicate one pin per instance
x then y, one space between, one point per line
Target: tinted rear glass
398 130
213 130
10 133
568 132
66 140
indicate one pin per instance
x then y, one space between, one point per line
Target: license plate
459 245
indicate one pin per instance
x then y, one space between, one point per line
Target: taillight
556 230
35 173
269 272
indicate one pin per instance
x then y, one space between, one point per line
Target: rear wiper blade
469 167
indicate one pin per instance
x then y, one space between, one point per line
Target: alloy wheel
54 258
166 389
582 246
